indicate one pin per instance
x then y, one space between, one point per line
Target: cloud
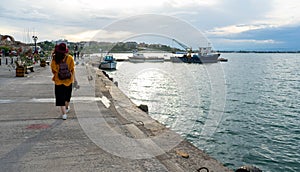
284 12
99 35
73 19
253 15
236 29
254 41
283 38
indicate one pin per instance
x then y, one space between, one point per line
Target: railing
9 62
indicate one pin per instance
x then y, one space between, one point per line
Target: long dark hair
58 57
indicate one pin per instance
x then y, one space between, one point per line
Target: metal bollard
6 61
203 168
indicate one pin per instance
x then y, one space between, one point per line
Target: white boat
137 58
206 56
108 62
140 58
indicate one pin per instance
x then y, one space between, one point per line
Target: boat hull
136 59
108 65
146 59
154 59
211 58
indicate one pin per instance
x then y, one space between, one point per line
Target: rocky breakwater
138 136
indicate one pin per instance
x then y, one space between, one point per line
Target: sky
227 24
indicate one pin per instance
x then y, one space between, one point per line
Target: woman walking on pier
62 66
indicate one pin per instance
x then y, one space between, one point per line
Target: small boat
221 59
108 62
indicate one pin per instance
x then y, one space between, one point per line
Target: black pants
62 94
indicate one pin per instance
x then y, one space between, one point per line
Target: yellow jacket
55 69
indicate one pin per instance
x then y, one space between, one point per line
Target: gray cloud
56 19
282 38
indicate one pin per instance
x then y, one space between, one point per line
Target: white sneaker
65 116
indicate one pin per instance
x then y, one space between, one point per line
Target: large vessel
108 62
137 58
140 58
204 55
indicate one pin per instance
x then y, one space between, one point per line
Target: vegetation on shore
89 47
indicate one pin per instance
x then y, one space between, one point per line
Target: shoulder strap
65 58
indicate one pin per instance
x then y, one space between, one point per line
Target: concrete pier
104 131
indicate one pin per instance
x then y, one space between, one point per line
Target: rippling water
260 124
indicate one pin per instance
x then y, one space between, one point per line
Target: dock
104 131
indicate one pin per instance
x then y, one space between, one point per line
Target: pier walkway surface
104 130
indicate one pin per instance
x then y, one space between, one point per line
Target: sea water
259 123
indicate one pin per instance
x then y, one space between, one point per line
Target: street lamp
35 38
